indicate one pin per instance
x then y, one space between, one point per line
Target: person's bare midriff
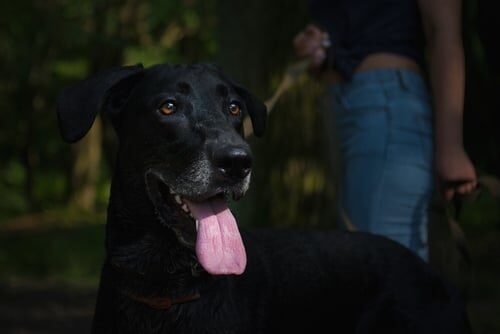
377 61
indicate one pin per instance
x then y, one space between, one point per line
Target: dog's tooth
178 199
185 208
197 224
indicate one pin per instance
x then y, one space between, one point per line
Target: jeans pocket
362 131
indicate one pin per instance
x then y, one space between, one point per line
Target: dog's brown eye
234 109
168 107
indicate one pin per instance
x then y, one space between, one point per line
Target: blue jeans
383 119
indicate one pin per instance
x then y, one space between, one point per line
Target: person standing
395 74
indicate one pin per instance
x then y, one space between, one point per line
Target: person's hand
455 172
312 43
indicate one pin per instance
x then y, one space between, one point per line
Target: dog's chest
222 314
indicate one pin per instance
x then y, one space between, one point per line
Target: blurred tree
483 79
45 45
292 179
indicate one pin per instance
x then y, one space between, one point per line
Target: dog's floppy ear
78 105
256 109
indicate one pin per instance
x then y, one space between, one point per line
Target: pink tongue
219 247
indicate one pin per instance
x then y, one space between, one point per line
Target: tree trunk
85 169
87 153
29 160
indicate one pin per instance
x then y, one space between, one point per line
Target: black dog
175 260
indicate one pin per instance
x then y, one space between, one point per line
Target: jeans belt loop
402 80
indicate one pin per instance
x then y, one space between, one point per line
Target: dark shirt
361 27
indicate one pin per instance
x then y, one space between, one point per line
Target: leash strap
161 303
292 73
454 207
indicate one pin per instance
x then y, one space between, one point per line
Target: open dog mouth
208 219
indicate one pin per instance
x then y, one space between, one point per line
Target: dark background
53 195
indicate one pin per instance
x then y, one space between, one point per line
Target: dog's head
180 131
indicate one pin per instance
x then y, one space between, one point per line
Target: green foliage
47 45
71 68
70 255
482 215
13 179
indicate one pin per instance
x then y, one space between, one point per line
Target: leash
160 303
449 212
455 207
292 73
449 250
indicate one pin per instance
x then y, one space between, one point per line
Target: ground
45 308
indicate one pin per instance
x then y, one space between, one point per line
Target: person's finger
471 186
325 41
313 30
305 46
463 189
300 45
467 187
311 51
318 57
448 194
314 36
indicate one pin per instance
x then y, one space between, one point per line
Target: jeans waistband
404 78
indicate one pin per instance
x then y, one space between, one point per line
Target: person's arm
442 26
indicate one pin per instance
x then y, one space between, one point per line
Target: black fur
295 282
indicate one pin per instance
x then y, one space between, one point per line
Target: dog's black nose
232 162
